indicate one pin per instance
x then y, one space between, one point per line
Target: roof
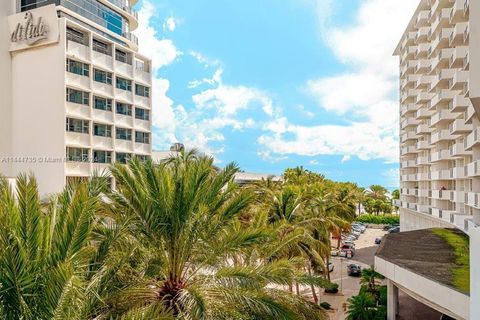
246 177
422 252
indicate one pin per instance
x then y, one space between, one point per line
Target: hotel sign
34 28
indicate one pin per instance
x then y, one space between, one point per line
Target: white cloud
170 24
163 52
365 96
359 139
393 177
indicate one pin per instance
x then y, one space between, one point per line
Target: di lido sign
34 28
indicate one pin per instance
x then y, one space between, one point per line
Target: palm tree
377 192
205 262
362 307
47 253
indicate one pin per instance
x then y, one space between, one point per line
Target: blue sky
275 84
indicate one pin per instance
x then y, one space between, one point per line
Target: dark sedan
354 270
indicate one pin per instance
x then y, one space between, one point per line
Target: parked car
335 252
354 270
347 250
330 267
359 227
390 226
378 240
394 230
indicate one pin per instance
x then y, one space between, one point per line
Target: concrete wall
6 8
475 273
38 117
412 220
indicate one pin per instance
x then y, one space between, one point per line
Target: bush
382 219
332 288
325 305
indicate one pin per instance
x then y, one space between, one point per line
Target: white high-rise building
75 94
439 152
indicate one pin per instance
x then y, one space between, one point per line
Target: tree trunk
312 287
297 288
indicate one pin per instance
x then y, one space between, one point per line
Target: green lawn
460 243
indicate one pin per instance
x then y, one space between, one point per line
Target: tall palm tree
46 250
185 213
362 307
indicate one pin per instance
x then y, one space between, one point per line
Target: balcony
422 35
459 80
409 123
458 13
422 161
74 139
424 145
459 34
459 104
441 20
442 40
442 60
460 127
442 135
458 150
440 175
423 114
439 156
458 196
422 19
102 143
472 140
441 194
408 164
442 117
472 199
473 169
77 81
442 80
409 150
457 58
411 135
457 173
442 96
77 169
424 129
423 66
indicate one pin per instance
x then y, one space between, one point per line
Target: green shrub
325 305
381 219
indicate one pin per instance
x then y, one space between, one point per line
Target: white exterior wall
33 106
6 8
38 113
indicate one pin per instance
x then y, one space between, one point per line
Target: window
77 96
76 36
142 91
142 66
122 157
78 67
124 84
102 103
142 158
123 108
142 137
100 156
102 130
142 114
102 76
123 57
77 154
78 126
102 47
124 134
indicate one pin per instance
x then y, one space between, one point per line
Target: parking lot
365 249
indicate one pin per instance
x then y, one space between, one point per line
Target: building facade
440 138
75 94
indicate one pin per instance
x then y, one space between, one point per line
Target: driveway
350 286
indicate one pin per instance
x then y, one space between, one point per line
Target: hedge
380 219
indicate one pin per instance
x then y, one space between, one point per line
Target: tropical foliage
376 200
382 219
371 302
175 240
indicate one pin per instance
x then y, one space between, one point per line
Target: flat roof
422 252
